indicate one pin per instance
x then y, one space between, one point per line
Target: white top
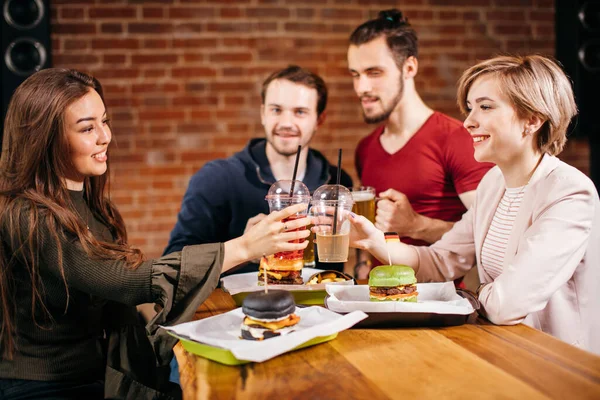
496 240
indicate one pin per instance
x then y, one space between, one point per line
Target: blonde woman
533 231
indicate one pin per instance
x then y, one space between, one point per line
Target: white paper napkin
224 331
248 282
438 298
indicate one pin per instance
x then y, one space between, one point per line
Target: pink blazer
551 273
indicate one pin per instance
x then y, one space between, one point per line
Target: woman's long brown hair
35 159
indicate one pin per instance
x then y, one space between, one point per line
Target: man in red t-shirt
420 161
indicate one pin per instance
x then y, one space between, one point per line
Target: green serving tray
225 356
306 297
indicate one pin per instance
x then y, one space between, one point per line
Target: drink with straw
285 267
329 208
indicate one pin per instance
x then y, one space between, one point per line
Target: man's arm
395 214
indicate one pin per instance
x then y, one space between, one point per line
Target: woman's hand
269 236
363 234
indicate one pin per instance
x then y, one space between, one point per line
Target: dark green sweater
102 296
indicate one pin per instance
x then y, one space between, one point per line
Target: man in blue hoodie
227 196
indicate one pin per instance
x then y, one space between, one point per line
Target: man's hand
395 214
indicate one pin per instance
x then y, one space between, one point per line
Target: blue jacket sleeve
205 210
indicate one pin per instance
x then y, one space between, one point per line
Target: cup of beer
309 251
330 206
364 202
285 267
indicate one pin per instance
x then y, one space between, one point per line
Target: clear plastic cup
280 196
330 206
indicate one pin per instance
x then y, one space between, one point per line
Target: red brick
74 29
161 58
191 12
71 12
149 28
119 73
230 57
190 72
546 16
111 28
187 28
513 30
194 43
155 44
305 27
161 114
217 87
230 12
267 12
337 13
75 44
153 12
195 100
75 59
193 58
228 27
196 128
151 87
112 12
154 73
513 3
305 12
498 15
112 44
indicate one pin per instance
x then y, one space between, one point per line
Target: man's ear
262 114
321 118
410 67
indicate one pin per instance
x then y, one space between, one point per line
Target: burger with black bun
268 314
392 283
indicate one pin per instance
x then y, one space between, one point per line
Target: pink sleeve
452 256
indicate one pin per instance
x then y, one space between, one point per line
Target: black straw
295 171
337 191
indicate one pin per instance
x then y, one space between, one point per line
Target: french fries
326 277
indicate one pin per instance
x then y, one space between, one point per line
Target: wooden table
470 361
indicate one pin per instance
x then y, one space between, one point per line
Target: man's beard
280 151
387 111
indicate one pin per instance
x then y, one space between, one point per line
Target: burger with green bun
268 314
392 283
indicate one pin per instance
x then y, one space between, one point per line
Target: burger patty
293 279
393 290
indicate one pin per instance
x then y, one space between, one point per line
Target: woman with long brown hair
68 279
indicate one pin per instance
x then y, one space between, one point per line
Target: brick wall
182 77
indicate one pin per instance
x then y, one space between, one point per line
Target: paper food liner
438 298
224 331
248 282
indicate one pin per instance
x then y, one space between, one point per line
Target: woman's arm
365 236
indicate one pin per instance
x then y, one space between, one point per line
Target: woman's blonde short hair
536 86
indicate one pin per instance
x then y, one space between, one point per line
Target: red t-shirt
432 168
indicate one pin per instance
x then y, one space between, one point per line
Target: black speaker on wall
25 44
578 49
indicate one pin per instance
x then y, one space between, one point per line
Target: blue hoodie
225 193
